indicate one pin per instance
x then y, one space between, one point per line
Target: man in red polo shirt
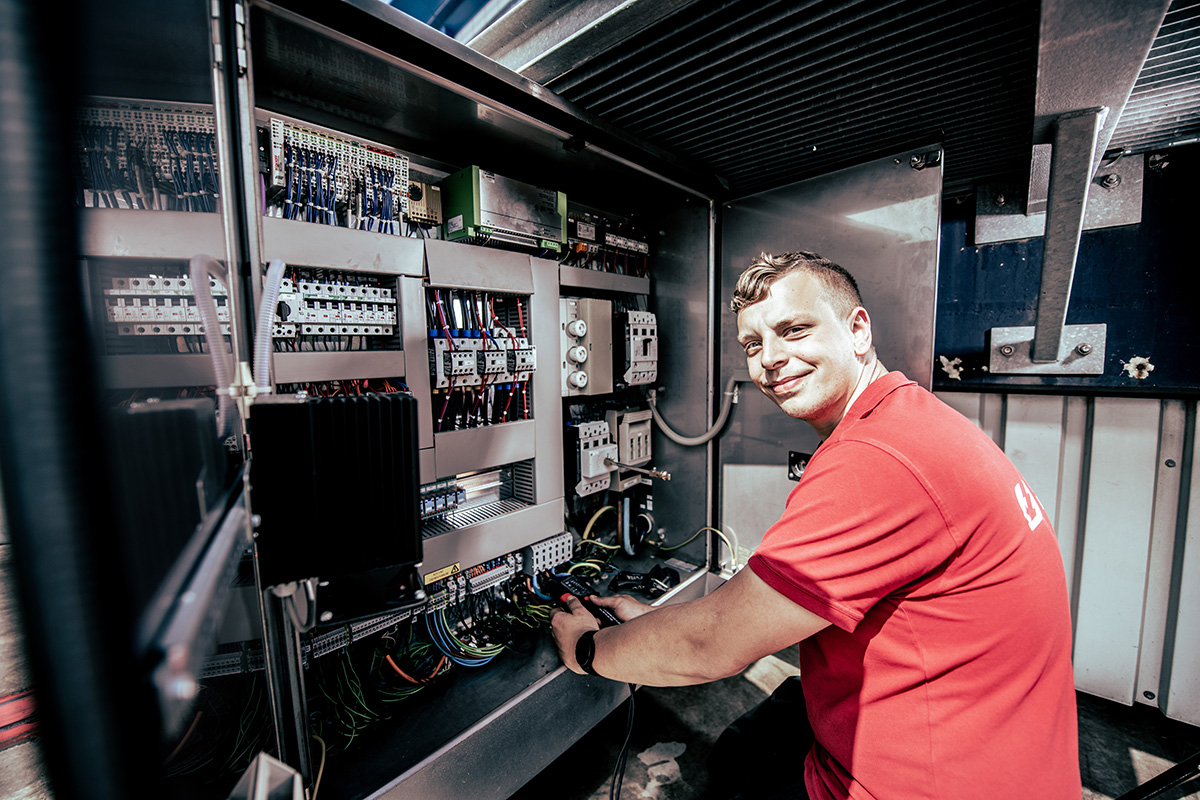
913 565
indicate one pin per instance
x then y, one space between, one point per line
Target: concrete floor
674 731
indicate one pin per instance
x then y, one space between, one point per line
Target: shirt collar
871 397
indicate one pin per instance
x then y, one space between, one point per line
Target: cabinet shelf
578 278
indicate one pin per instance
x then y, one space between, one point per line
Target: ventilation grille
1164 107
767 93
457 520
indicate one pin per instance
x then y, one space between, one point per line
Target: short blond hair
753 285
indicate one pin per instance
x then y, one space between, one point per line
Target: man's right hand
624 606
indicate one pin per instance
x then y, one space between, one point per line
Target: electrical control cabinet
378 265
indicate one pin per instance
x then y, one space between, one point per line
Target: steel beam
544 39
1070 177
1090 53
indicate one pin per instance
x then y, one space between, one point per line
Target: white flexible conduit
704 438
266 322
202 266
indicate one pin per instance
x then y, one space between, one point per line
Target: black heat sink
168 470
336 483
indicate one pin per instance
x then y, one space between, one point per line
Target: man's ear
860 331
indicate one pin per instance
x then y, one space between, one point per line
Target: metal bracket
1070 177
920 161
243 390
1081 351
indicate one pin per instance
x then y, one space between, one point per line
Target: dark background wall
1138 279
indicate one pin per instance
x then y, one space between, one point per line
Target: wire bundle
232 724
455 314
311 178
378 209
465 651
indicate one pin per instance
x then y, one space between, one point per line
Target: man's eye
751 348
797 331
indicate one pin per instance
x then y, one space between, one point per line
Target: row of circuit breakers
157 305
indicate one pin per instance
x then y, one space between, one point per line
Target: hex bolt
1148 695
1001 199
1111 181
1083 349
916 161
1007 350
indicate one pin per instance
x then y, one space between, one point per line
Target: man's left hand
568 626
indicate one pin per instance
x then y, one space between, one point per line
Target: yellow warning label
443 573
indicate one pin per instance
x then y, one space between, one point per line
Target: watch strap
585 652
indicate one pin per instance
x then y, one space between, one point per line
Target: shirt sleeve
859 526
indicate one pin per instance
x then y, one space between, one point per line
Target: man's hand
568 626
624 606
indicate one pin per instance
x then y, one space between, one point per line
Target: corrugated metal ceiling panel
767 93
1164 107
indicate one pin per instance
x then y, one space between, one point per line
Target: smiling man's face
802 352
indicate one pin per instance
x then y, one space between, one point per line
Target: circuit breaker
636 333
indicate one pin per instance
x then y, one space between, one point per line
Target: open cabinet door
881 222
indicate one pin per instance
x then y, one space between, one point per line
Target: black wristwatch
585 652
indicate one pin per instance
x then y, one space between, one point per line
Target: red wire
411 679
495 319
437 303
446 405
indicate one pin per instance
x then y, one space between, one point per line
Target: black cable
614 789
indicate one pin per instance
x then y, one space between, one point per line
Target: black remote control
569 584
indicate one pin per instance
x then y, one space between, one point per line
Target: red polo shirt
946 671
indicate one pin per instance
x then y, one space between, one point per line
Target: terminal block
441 497
129 152
548 553
485 576
445 592
331 178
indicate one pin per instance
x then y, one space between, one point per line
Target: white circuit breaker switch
593 465
593 446
640 335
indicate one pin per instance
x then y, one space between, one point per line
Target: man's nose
772 353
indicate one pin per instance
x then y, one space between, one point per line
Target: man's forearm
704 640
671 646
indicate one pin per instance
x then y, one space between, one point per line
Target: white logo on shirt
1030 506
